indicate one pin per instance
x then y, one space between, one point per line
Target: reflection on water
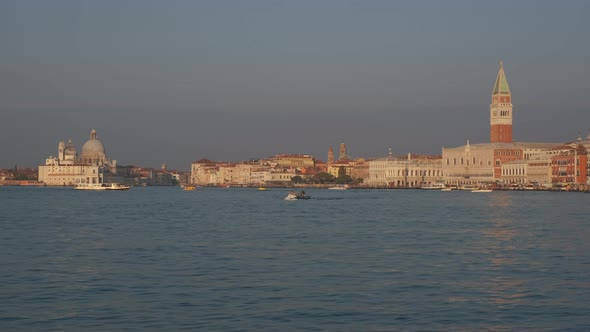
501 252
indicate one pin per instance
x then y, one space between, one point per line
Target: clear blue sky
175 81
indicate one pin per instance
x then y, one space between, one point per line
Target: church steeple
330 155
501 86
501 110
342 155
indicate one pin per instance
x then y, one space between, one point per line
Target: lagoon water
163 259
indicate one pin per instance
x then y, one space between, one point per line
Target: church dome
93 151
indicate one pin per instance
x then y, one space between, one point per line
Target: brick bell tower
501 110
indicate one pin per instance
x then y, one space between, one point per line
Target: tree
341 172
323 178
297 179
343 178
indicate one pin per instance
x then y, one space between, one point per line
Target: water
164 259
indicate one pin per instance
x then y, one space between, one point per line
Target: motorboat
339 187
450 187
261 188
481 190
296 195
116 186
469 187
89 186
189 187
101 186
433 186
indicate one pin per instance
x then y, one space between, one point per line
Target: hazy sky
175 81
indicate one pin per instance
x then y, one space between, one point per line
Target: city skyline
250 80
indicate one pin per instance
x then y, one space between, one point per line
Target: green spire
501 86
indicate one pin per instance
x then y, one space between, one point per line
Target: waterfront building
335 167
570 166
404 172
477 163
293 160
204 172
279 178
70 169
226 174
360 170
515 172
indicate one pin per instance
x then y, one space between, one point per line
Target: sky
176 81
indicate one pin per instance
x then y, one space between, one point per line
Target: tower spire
501 85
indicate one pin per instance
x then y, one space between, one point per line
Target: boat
469 187
101 186
189 187
261 189
481 190
338 187
433 186
296 195
116 186
446 189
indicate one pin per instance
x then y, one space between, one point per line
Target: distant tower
60 150
330 155
343 152
163 167
501 110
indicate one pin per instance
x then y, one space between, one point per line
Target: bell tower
501 110
342 155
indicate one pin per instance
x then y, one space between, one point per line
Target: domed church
93 152
69 168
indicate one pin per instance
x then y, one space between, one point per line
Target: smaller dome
70 151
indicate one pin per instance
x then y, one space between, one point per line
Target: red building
569 166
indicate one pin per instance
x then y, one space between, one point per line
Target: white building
410 172
70 169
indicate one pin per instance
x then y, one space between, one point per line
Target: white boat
482 190
469 187
433 186
338 187
101 186
446 189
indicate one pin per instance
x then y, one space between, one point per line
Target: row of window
513 171
507 153
412 172
466 161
